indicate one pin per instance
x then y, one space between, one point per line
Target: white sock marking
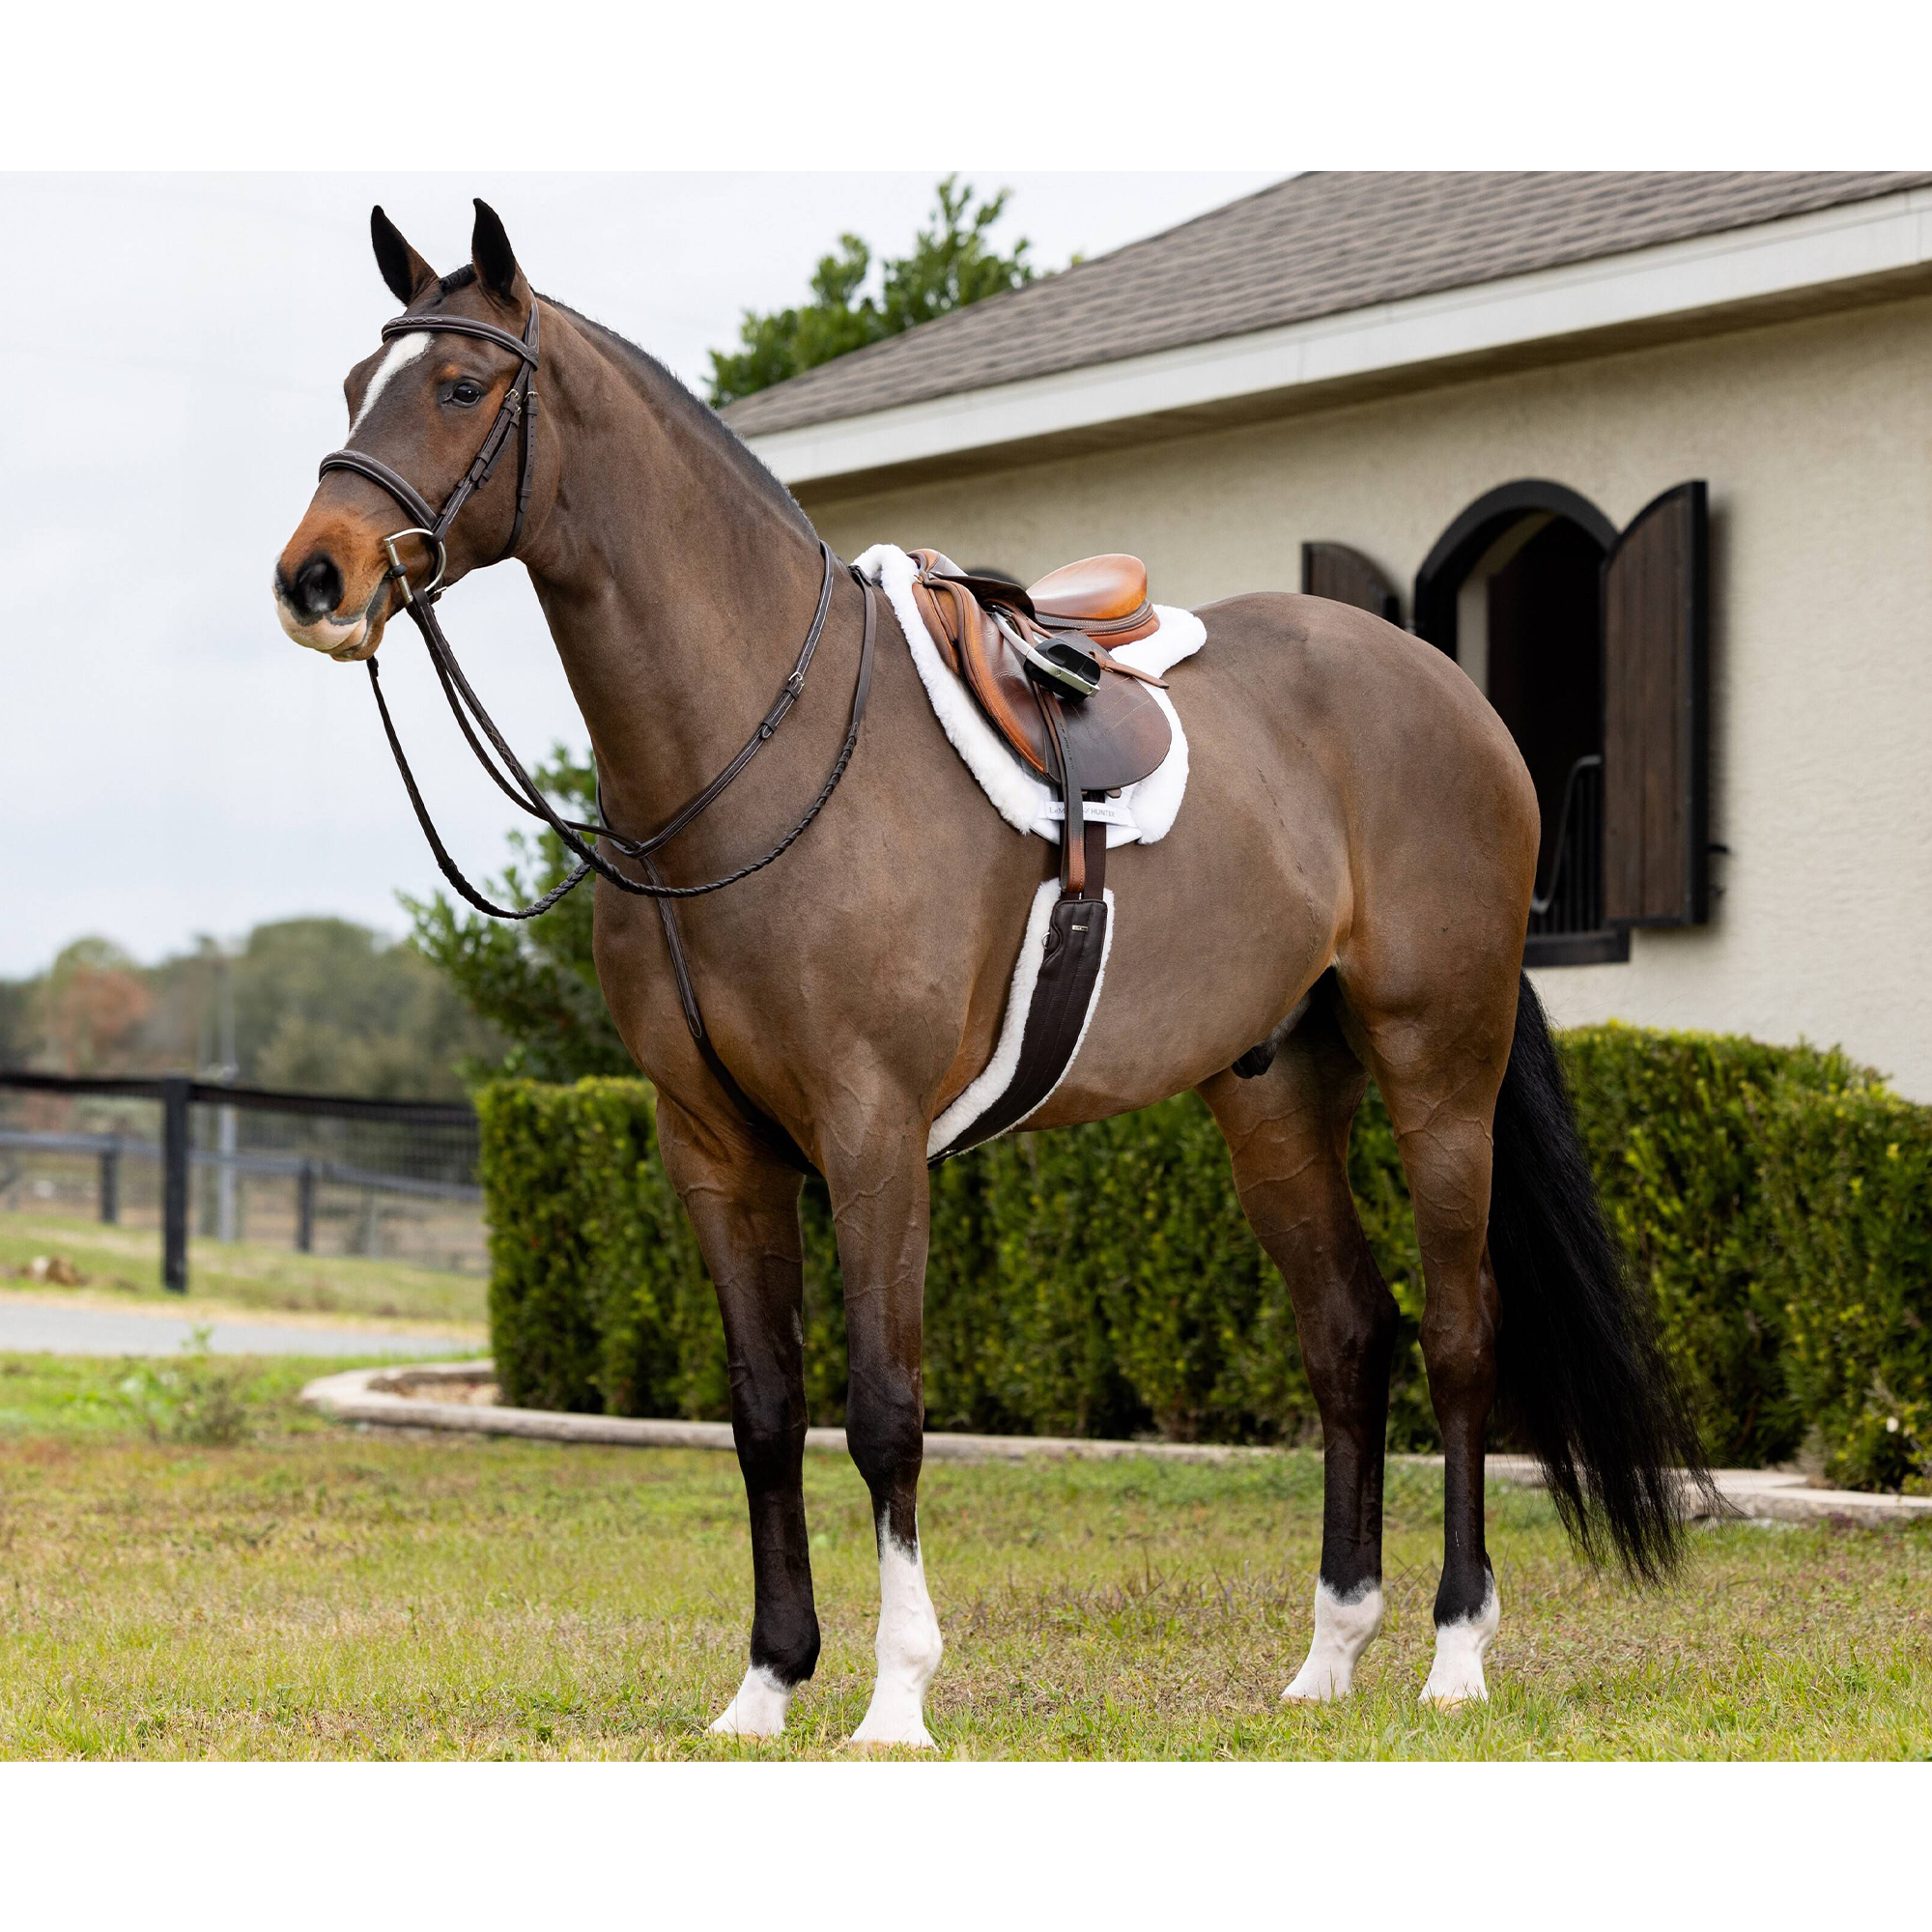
908 1650
402 349
1456 1677
1343 1628
759 1710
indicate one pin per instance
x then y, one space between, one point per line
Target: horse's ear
494 260
403 268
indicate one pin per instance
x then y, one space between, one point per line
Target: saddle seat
1115 737
1106 597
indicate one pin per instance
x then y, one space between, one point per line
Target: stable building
1650 455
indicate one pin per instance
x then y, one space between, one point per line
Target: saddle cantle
1113 738
1106 597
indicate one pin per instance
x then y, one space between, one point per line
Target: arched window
1591 645
1510 592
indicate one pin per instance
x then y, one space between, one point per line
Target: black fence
314 1170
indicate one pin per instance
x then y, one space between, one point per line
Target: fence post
110 1183
305 1209
173 1183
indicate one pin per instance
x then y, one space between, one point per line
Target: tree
93 1003
324 1003
533 981
953 263
319 1003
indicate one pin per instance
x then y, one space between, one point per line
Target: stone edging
392 1397
389 1398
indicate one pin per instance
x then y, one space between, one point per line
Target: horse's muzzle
346 640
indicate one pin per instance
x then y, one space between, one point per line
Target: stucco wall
1816 440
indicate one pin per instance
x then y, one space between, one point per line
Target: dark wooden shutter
1656 727
1334 570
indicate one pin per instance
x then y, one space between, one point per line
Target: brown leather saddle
994 635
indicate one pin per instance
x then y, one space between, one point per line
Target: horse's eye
466 394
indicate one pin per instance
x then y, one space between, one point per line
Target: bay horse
1348 885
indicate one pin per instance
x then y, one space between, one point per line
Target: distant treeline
319 1003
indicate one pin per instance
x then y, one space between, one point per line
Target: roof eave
1865 251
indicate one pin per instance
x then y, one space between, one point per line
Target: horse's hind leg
1287 1133
744 1208
1439 1065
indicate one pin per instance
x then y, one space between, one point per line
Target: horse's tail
1581 1376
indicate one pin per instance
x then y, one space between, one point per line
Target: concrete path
48 1328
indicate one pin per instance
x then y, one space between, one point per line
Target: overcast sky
170 764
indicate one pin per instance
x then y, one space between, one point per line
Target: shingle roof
1314 244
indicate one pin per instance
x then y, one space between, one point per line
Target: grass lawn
123 1265
318 1592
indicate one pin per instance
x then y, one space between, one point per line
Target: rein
432 526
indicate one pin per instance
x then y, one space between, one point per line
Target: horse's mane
654 379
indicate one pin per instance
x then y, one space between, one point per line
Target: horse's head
421 407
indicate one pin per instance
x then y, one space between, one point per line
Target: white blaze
403 349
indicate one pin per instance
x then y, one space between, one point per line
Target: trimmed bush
590 1253
1675 1127
1102 1280
1848 1183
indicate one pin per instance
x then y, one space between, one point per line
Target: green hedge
1102 1280
1675 1126
1848 1180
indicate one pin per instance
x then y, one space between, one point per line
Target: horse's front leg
744 1208
877 1178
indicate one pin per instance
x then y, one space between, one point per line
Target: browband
461 325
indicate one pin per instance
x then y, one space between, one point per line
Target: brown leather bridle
432 526
518 409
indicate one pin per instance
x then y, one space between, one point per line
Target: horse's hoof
1451 1696
1310 1690
757 1711
732 1725
1344 1627
884 1732
1456 1677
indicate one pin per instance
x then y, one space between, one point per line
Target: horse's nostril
318 586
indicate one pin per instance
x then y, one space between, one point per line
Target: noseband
432 526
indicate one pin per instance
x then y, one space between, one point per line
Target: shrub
1674 1124
196 1398
588 1248
1102 1280
1848 1184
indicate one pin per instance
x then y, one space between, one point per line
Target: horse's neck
678 589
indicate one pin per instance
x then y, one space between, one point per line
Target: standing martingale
1331 904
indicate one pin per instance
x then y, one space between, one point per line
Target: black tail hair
1582 1377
